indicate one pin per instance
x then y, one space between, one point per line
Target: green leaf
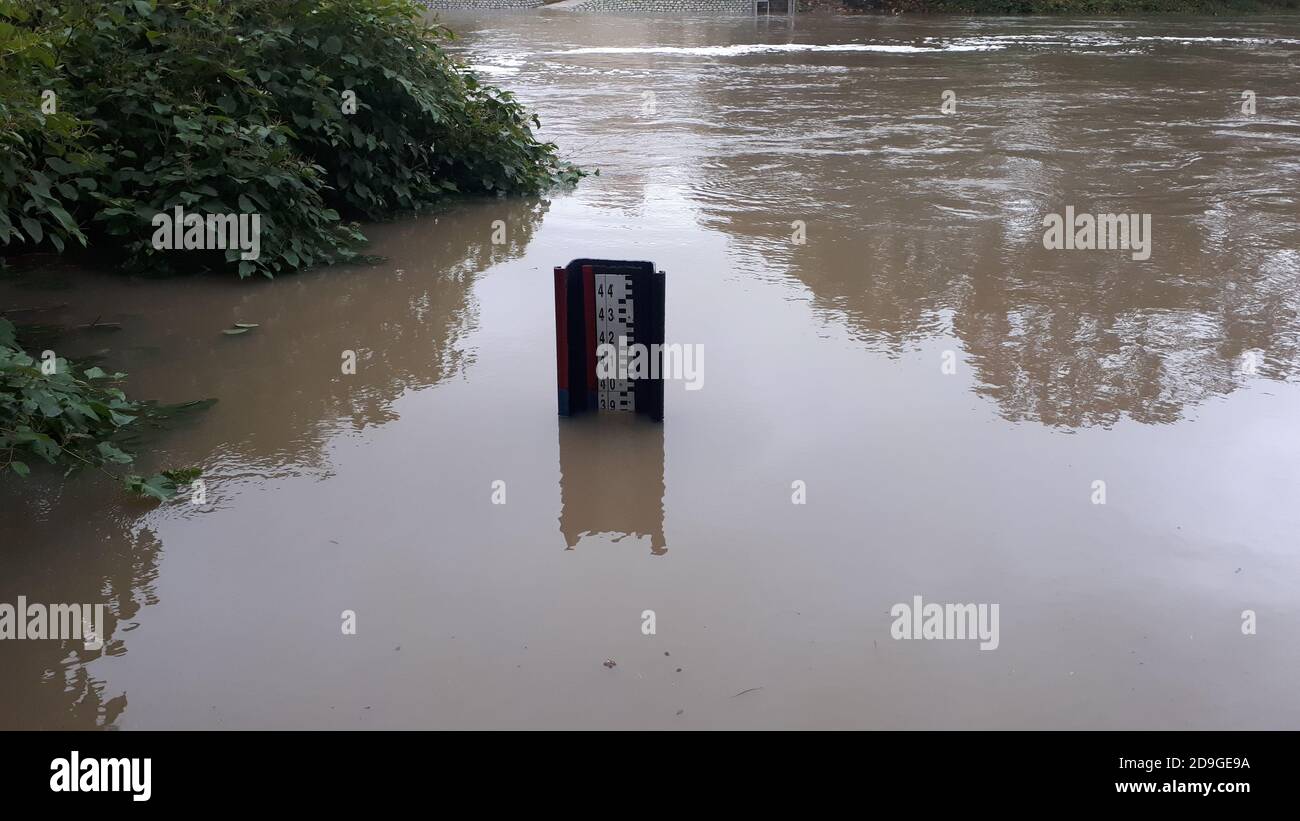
61 166
49 406
46 448
64 218
112 454
157 486
20 467
33 229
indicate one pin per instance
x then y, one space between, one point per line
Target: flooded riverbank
948 391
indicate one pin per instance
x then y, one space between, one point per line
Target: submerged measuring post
603 308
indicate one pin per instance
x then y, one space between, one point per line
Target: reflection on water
372 492
924 225
49 684
282 400
612 479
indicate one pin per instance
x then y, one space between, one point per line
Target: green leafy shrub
423 126
44 171
224 107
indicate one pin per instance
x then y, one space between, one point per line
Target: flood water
1174 380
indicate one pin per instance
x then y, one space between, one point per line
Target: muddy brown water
823 364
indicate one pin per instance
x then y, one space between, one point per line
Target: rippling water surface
823 364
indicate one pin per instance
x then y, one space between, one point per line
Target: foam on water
932 45
741 49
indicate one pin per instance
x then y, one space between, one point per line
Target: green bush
41 155
238 107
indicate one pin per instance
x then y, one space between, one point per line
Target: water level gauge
607 312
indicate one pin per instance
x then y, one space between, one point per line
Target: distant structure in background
665 7
482 5
731 7
608 302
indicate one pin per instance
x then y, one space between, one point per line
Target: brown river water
1174 380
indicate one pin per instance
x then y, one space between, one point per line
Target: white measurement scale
615 325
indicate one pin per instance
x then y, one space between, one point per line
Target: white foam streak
998 42
740 50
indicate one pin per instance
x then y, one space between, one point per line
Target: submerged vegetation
75 417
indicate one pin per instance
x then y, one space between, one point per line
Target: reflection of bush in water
405 317
1077 354
1050 339
405 328
426 312
47 684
